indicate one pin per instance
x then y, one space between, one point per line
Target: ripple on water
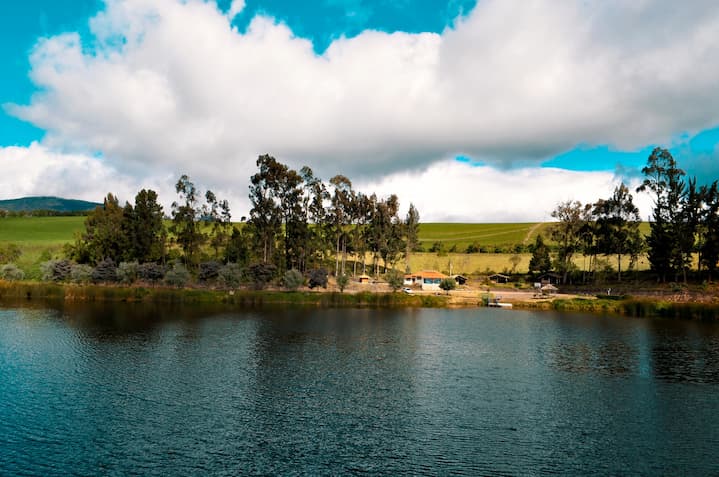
328 392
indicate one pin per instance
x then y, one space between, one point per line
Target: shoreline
629 306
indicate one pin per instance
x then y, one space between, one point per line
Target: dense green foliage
448 284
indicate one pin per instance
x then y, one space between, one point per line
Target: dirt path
531 231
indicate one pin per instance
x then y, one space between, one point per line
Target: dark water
128 390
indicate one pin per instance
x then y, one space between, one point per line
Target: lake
133 389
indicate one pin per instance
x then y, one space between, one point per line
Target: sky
475 111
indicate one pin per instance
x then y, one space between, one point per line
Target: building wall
431 283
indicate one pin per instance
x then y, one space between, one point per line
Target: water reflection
684 351
112 389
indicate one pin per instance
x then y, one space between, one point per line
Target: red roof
426 274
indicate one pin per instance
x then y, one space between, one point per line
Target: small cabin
550 279
499 278
460 279
363 278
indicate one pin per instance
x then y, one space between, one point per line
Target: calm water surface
135 390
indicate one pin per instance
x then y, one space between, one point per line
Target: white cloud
37 171
168 86
450 191
235 8
446 191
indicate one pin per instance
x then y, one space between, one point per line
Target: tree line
297 223
684 225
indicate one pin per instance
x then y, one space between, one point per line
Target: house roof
426 274
498 275
431 274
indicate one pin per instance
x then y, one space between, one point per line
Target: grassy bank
96 293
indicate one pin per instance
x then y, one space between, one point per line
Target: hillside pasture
461 236
39 238
486 263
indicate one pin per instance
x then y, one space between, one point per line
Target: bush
105 272
178 275
261 274
152 272
230 275
318 278
80 273
293 279
395 280
11 272
209 270
127 272
9 253
55 270
448 284
342 282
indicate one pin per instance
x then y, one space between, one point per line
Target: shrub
209 270
230 275
55 270
127 272
177 275
395 280
318 278
448 284
9 253
261 274
342 282
472 248
11 272
80 273
293 279
152 272
105 271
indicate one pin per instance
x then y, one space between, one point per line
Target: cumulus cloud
446 191
36 170
450 191
170 85
235 8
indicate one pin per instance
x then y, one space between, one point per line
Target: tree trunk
337 257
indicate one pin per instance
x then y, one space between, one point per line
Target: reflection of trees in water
685 351
667 350
108 321
611 358
324 377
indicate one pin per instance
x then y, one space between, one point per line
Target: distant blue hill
57 204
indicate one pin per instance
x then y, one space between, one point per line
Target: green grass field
39 238
40 230
489 235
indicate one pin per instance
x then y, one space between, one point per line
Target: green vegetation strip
97 293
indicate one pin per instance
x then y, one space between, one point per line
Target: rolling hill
56 204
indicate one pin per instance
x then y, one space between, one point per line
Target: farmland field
490 235
40 230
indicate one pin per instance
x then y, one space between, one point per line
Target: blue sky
570 96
